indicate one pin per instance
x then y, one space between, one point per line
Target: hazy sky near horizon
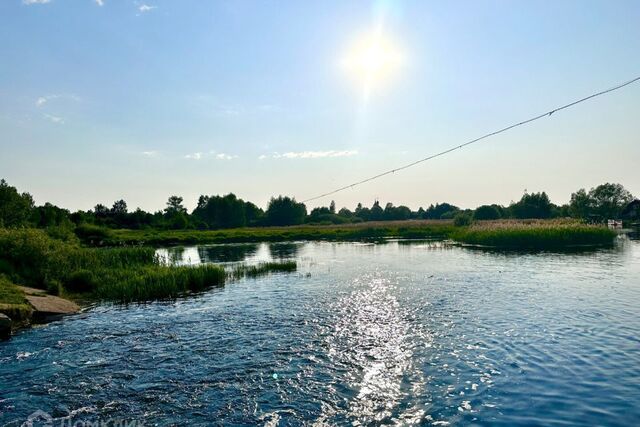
109 99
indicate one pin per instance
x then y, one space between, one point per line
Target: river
399 333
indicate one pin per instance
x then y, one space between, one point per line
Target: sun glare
372 60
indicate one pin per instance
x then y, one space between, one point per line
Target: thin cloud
224 156
143 8
211 154
41 101
54 119
100 2
30 2
151 153
310 154
193 156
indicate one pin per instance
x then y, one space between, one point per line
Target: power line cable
473 141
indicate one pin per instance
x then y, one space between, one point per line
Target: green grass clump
155 282
12 301
534 234
263 268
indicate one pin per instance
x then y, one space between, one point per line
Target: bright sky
109 99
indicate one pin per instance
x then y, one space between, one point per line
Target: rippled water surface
364 334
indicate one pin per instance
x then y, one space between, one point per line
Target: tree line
606 201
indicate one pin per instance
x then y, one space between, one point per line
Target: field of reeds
123 274
240 271
533 234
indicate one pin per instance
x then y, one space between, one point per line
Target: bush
81 281
91 233
462 220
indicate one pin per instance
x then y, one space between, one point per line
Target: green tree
174 205
119 207
441 211
581 205
533 205
603 202
285 211
486 212
15 208
609 200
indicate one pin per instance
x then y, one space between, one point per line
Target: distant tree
15 208
485 212
581 205
225 211
50 215
285 211
605 201
119 207
202 202
253 214
609 200
533 205
441 211
344 212
362 212
174 205
332 207
100 210
376 213
392 213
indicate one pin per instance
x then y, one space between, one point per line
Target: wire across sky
473 141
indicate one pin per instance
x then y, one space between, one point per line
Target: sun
372 60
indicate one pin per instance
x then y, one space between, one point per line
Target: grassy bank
124 274
534 234
418 229
12 301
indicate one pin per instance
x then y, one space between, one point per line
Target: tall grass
260 269
535 234
123 274
156 282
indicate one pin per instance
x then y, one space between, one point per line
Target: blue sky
102 100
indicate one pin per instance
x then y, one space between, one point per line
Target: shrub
462 220
91 233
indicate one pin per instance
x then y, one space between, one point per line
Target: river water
399 333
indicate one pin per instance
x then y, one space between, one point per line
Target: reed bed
534 234
240 271
121 274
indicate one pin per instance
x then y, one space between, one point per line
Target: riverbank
22 306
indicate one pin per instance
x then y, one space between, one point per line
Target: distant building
632 210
